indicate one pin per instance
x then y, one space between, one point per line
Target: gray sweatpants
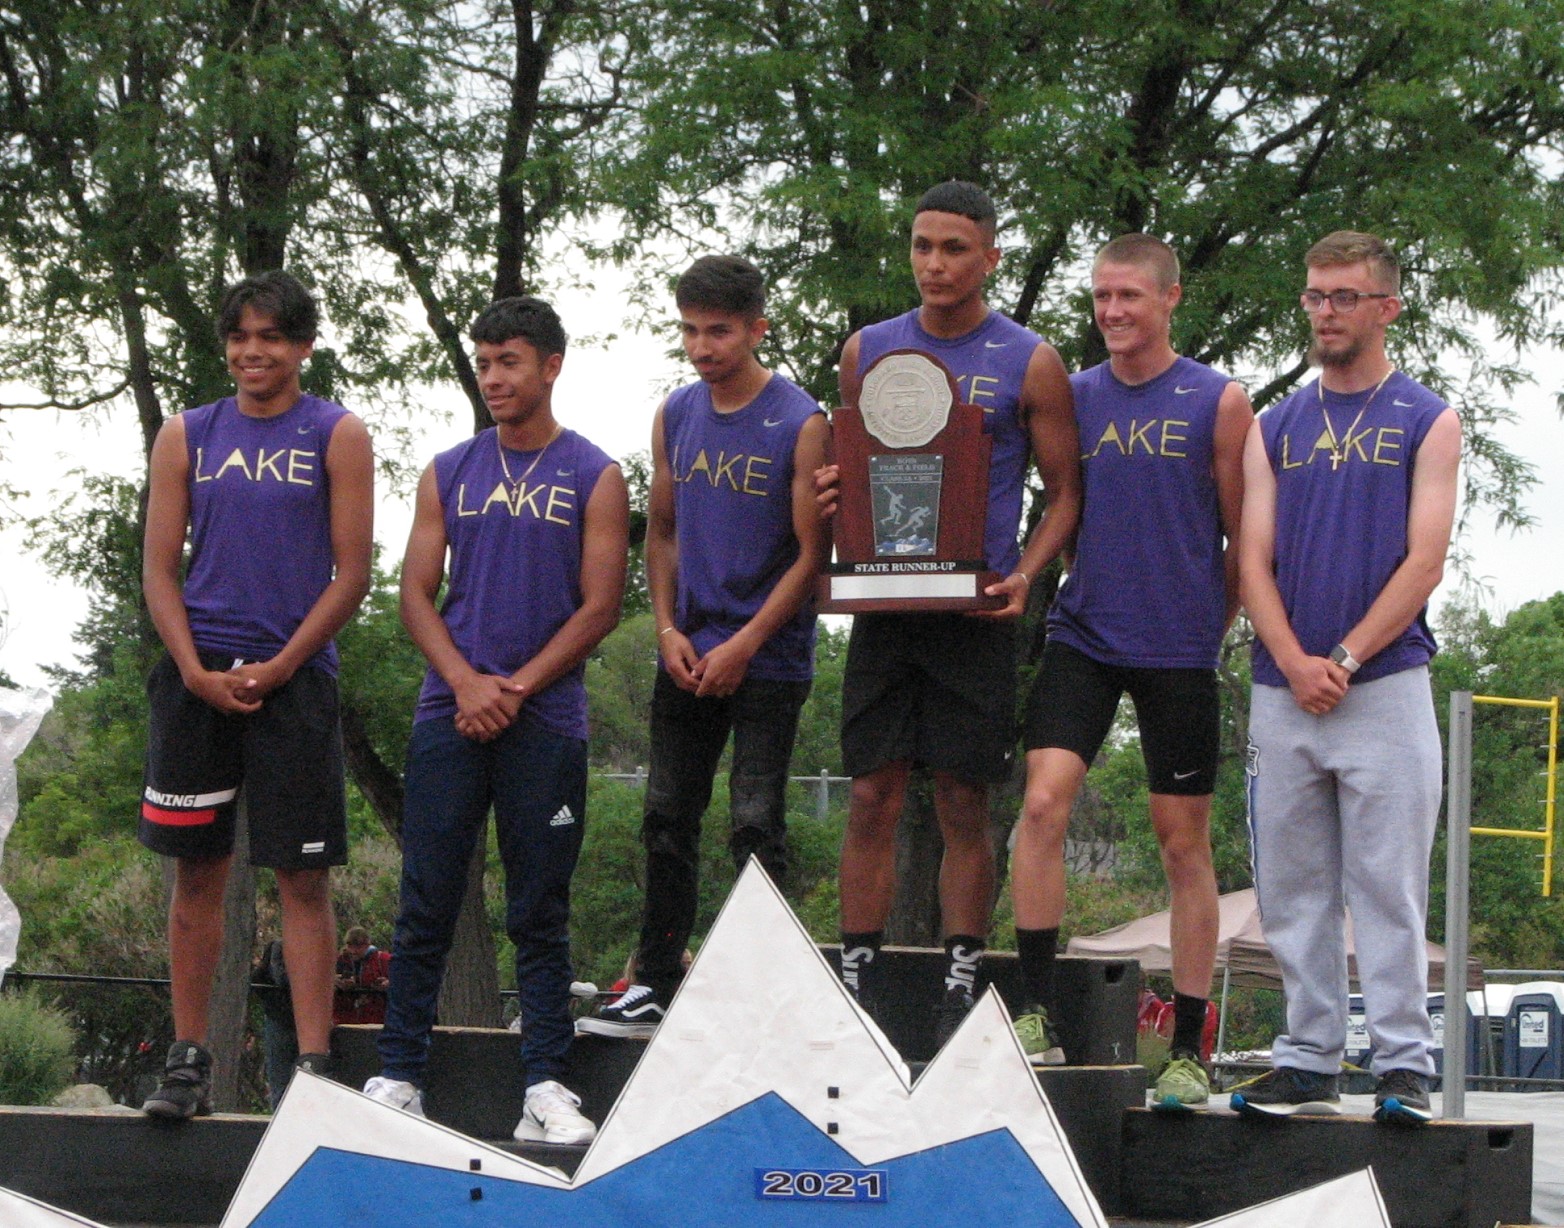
1342 810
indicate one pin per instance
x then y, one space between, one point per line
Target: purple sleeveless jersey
733 505
1341 530
1147 586
515 565
260 526
989 364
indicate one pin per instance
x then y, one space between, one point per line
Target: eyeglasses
1344 302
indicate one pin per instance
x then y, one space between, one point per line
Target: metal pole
1552 790
1221 1018
1458 851
823 798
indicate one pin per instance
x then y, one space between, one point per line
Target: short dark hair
524 316
280 295
961 198
728 284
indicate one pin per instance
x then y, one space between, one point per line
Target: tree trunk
230 1004
379 785
470 992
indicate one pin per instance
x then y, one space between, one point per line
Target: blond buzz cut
1343 247
1142 251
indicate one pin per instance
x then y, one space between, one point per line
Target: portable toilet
1533 1043
1488 1009
1436 1018
1360 1047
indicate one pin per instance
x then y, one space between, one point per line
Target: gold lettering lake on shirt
294 466
554 504
741 472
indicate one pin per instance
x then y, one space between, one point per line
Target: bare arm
605 544
1234 417
481 710
350 468
1430 519
662 565
168 516
1049 408
1317 683
723 668
848 386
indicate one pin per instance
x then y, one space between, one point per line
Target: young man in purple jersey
1152 586
939 689
274 490
1349 500
733 546
536 522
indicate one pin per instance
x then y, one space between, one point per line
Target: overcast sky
609 394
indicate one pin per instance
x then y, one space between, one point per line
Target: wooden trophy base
892 587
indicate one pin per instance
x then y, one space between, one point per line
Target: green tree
1512 924
1241 132
802 131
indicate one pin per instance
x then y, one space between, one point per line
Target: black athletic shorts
287 756
938 690
1074 699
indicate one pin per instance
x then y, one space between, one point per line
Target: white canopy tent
1242 955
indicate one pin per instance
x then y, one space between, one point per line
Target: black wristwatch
1345 659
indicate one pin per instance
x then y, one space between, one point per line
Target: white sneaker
397 1094
550 1115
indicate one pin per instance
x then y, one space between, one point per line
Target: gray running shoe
1286 1091
1401 1097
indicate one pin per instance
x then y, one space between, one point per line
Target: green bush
37 1050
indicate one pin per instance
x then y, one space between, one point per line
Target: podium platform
1448 1174
117 1166
1097 1000
475 1086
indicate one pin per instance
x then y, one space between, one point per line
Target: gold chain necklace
516 483
1338 445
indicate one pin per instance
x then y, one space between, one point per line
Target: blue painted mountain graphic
705 1178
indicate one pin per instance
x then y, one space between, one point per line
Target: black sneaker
635 1014
1286 1091
949 1014
1401 1096
317 1064
186 1089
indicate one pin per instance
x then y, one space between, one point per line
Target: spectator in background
363 976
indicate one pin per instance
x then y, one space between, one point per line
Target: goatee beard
1319 357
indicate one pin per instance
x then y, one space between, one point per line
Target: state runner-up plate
913 462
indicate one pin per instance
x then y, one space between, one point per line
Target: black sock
858 954
962 953
1189 1023
1037 949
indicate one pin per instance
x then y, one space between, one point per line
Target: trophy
914 494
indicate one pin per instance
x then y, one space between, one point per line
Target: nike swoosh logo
564 473
771 422
1403 404
995 345
1185 775
304 430
1184 392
